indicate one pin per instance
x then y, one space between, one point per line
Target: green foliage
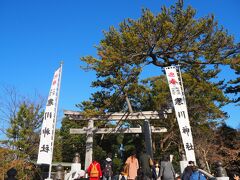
98 153
72 143
57 151
117 165
24 129
233 86
172 37
24 119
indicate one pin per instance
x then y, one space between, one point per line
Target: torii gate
117 116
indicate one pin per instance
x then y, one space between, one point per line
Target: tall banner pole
56 112
46 145
180 106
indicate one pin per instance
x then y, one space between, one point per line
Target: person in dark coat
187 171
146 164
107 168
220 170
156 171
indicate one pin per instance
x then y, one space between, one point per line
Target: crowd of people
142 167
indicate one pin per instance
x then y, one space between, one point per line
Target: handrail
207 174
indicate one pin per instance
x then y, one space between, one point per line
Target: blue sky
36 35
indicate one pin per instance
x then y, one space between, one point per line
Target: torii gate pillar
148 137
89 144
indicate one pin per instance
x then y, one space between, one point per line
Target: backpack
197 176
108 169
94 171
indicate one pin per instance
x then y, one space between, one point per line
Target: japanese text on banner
180 107
48 127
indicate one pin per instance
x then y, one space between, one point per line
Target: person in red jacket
94 171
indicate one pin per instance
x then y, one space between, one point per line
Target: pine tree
24 129
172 37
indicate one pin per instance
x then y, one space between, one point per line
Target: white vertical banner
180 107
45 151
